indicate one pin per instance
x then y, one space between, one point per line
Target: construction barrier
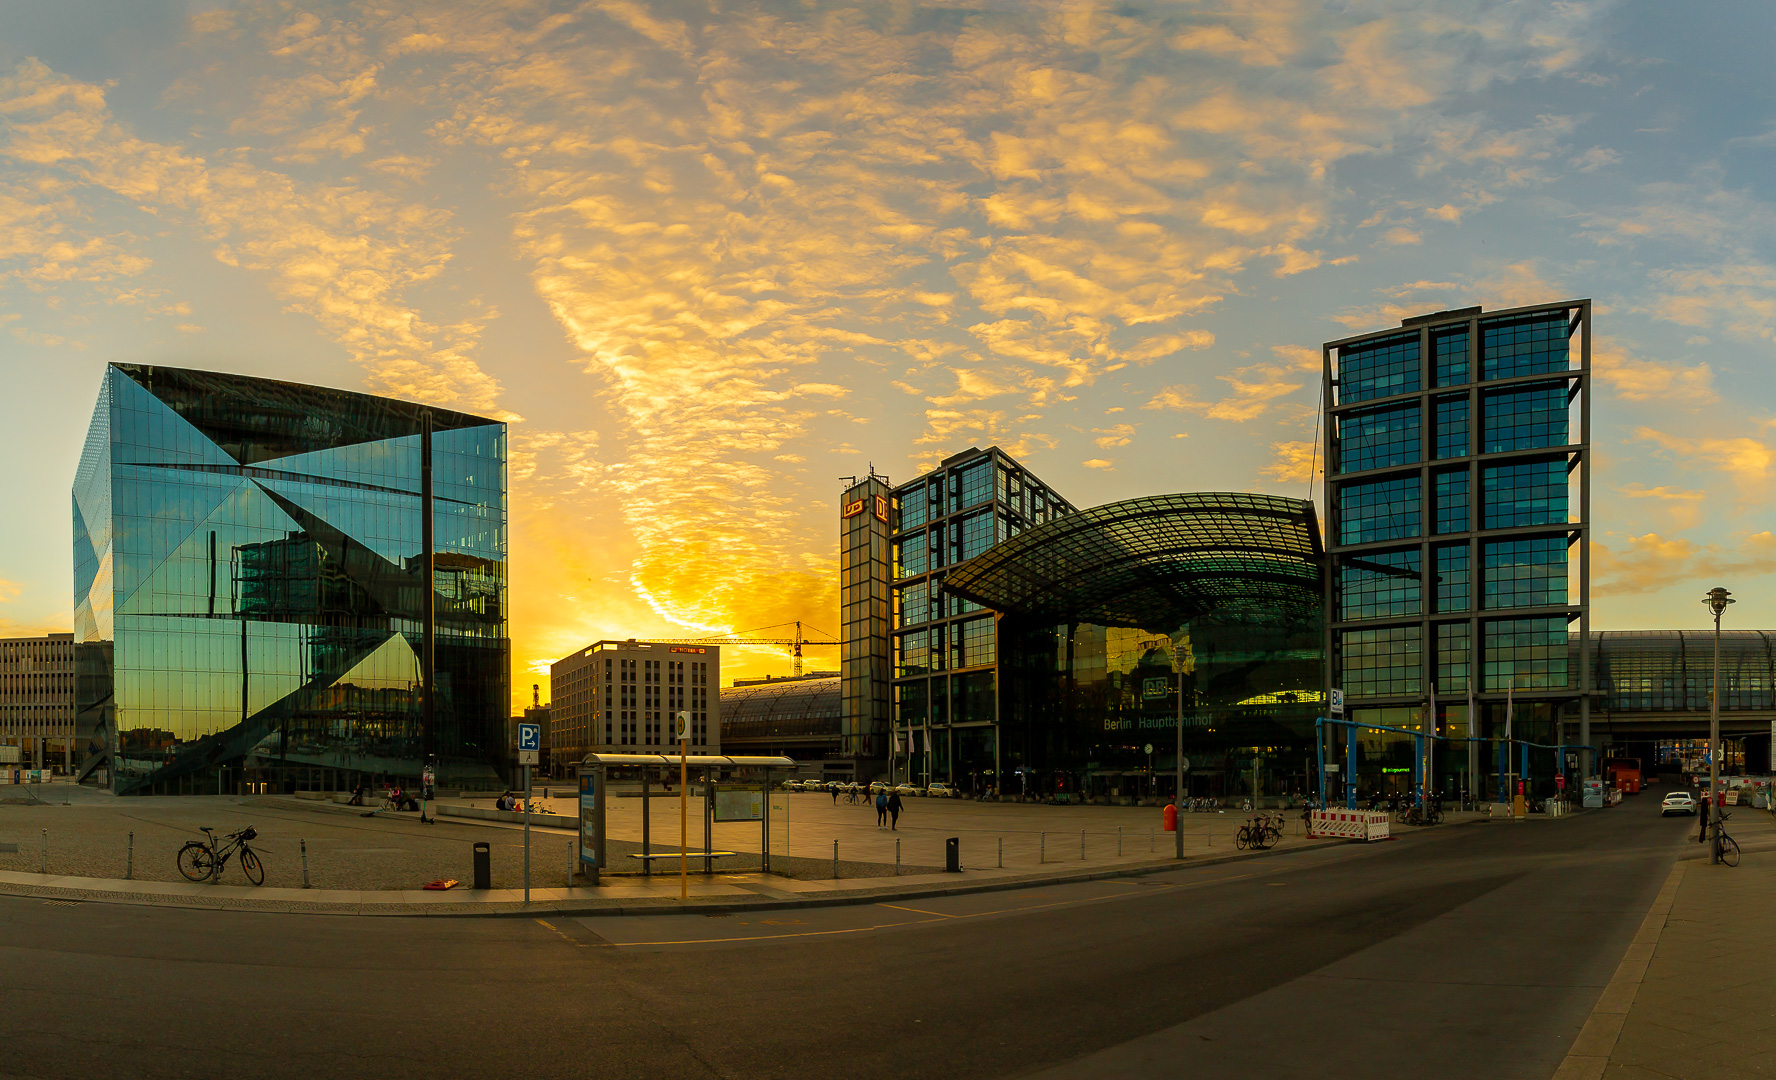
1349 824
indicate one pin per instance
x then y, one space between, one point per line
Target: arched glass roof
1154 562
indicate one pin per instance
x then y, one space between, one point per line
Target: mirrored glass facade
1488 518
250 594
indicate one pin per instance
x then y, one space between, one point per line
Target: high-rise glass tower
1458 520
946 648
250 587
865 662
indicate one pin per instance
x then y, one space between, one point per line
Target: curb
660 906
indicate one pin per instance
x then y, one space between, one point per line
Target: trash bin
483 865
953 855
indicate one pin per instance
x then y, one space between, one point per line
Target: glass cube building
250 601
1458 508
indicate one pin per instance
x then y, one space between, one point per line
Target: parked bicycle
1726 849
204 860
1256 834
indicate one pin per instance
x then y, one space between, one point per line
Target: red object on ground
1171 817
442 883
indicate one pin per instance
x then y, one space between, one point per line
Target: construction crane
798 642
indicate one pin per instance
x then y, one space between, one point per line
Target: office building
866 664
37 699
945 645
281 587
1458 517
619 697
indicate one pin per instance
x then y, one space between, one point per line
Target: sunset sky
709 258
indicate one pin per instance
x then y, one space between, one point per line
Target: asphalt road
1462 952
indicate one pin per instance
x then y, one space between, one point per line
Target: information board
588 822
740 803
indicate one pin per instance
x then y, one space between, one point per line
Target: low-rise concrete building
37 698
620 697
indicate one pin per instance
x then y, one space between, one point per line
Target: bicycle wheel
252 867
1243 838
1729 852
196 862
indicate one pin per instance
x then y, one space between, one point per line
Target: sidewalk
1695 996
708 894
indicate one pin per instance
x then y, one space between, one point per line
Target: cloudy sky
708 258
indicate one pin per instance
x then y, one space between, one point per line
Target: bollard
1119 841
570 864
129 864
1002 853
835 860
304 844
1042 848
46 851
1081 845
1149 841
897 856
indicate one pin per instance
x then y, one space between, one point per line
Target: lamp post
1717 601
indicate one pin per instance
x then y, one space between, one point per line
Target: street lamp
1717 601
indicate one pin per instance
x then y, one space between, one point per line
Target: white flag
897 740
928 740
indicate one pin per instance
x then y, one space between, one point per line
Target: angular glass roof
1154 562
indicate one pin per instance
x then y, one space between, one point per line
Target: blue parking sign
530 736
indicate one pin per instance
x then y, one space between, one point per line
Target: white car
1678 802
941 790
905 789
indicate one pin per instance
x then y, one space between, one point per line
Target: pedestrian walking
1702 812
882 808
894 812
834 788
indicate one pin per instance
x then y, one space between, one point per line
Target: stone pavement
1695 996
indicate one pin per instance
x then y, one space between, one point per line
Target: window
1451 349
1524 418
913 653
1378 438
915 604
912 555
1453 657
976 533
975 484
1525 572
1381 662
974 642
1380 584
1529 654
1451 486
912 508
1534 345
1378 510
1453 577
1452 427
1523 493
1378 368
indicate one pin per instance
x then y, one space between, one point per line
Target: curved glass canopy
1154 562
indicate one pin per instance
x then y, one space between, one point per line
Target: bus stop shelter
732 803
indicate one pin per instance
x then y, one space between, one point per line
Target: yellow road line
920 911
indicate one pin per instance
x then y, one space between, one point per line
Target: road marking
1590 1052
920 911
558 931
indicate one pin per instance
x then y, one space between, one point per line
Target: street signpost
1335 702
530 740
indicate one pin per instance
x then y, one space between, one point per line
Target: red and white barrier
1349 824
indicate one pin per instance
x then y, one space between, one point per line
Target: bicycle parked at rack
203 860
1257 834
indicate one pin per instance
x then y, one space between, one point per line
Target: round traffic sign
1185 764
1149 749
